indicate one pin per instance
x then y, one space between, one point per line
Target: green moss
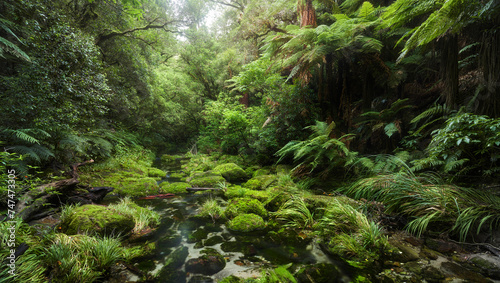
244 205
155 172
261 172
174 188
283 169
260 182
127 183
206 180
98 219
230 172
247 223
231 279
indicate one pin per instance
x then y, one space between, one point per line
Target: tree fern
7 46
319 151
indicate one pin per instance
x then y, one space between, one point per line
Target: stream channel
182 239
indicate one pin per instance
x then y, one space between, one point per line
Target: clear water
245 255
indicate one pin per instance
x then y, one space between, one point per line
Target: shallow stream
245 255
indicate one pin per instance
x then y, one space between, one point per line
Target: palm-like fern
7 46
386 118
319 150
445 17
27 143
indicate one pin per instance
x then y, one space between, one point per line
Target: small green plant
466 144
294 213
81 258
211 208
143 217
279 274
67 210
350 234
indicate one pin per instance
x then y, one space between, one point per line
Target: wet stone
169 240
201 279
197 236
318 273
209 263
213 241
454 270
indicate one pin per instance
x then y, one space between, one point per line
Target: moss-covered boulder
283 169
247 223
174 188
90 219
260 182
239 206
261 172
127 183
209 263
156 173
205 180
230 172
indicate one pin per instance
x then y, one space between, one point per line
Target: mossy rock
277 199
197 236
214 240
247 223
209 180
318 273
261 172
243 206
138 187
230 172
128 184
283 169
260 182
144 251
155 172
174 188
90 219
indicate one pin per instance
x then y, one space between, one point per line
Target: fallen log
158 196
201 189
37 203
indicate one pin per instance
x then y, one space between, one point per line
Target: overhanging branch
103 37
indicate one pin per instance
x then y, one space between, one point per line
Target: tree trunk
489 62
307 13
449 70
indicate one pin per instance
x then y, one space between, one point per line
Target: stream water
245 255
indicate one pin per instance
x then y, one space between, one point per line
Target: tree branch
237 5
103 37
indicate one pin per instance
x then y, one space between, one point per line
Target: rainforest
310 141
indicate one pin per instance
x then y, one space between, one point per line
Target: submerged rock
209 263
175 260
90 219
318 273
201 279
247 223
487 264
